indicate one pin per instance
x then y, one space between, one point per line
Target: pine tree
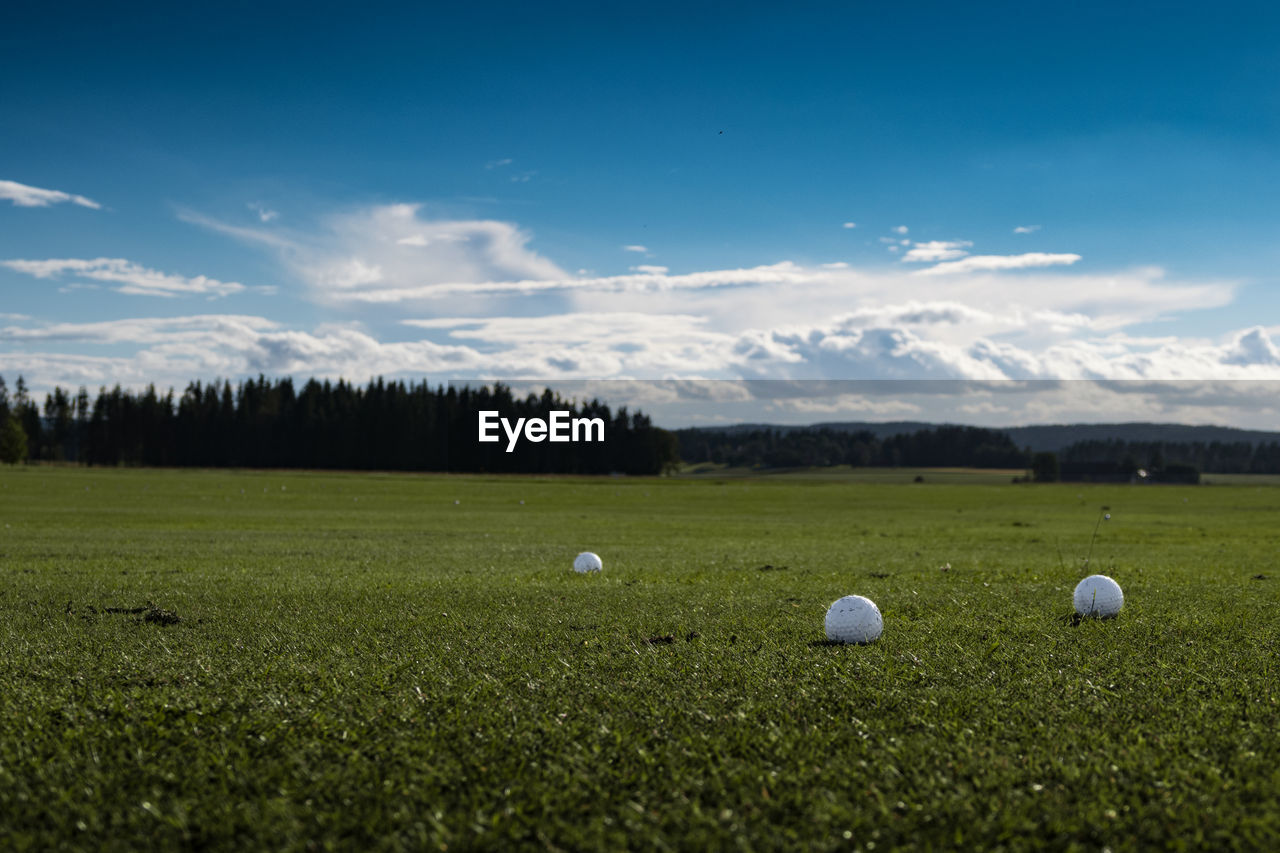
28 414
13 440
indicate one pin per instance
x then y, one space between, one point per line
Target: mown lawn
405 662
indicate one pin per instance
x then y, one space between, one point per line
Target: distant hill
1051 437
1059 436
880 430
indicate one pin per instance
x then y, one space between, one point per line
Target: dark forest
271 424
398 426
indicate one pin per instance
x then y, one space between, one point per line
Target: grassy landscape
226 660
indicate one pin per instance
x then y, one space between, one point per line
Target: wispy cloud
499 163
216 329
983 317
901 229
422 239
927 338
849 225
174 350
26 196
386 257
129 277
936 250
391 253
265 214
267 237
645 279
1026 229
979 263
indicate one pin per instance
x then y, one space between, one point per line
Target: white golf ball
854 619
587 562
1098 595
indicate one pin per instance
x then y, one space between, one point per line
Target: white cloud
936 250
265 214
849 225
172 351
203 328
645 279
908 341
274 238
973 317
497 164
438 251
175 350
390 253
834 404
384 258
976 263
348 274
841 348
425 240
901 229
131 278
891 342
25 196
1026 229
914 313
587 344
1252 347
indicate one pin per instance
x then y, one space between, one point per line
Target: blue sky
824 191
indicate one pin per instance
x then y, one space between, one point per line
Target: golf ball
1098 595
854 619
587 562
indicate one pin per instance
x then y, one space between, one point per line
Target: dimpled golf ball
587 562
1098 595
854 619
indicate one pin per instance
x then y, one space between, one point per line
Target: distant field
846 473
969 476
1240 479
402 662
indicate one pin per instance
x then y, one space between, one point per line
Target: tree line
1215 457
945 446
261 423
976 447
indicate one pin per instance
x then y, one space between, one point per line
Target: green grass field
847 474
405 662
